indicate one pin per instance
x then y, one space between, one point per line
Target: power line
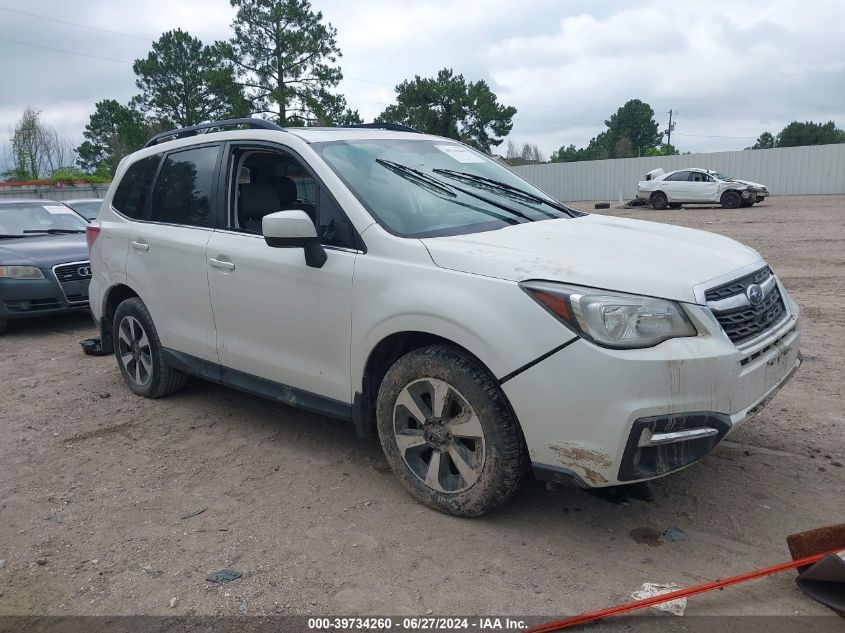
66 52
711 135
76 24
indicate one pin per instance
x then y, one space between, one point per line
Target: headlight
612 319
21 272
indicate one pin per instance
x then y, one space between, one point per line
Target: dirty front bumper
24 298
598 417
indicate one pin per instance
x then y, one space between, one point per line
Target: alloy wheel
133 350
439 435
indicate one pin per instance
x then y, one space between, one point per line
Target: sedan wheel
659 200
439 435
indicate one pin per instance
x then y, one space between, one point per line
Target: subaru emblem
755 294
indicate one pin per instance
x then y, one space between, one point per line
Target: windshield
34 218
427 188
87 210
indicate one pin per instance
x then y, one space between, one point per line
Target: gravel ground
96 482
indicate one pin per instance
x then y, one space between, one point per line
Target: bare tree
37 149
531 154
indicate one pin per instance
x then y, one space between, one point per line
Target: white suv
413 286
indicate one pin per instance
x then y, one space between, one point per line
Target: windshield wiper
55 231
422 177
14 237
417 176
504 187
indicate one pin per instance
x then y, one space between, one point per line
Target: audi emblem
755 294
84 271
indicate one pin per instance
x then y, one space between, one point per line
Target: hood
44 251
632 256
755 185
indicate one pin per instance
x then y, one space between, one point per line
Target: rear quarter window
130 199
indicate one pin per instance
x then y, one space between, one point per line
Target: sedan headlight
21 272
612 319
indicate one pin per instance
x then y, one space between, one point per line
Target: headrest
286 188
257 200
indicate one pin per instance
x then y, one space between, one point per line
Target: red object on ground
557 625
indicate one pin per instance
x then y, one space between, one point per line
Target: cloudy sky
729 69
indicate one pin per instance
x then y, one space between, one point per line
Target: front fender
491 318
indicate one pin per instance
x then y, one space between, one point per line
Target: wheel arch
112 298
382 356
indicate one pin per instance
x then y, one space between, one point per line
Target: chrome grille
741 320
73 279
73 272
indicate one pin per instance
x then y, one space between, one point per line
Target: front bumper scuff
584 410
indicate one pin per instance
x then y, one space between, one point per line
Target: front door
703 188
277 318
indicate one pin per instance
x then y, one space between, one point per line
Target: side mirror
294 229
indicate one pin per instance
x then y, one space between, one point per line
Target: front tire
139 353
731 200
448 432
659 200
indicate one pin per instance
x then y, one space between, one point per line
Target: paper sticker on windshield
56 209
460 154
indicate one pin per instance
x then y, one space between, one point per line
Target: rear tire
462 451
659 200
731 200
139 353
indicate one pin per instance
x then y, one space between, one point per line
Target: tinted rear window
182 193
131 195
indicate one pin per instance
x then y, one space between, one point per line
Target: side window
182 194
333 227
697 176
679 176
306 186
131 195
269 181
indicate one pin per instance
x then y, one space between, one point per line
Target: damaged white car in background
698 186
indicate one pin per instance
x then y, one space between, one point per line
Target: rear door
677 186
166 263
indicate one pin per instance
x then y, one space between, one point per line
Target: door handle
140 246
221 264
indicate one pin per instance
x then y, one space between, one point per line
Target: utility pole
669 129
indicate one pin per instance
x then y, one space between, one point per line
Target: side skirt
254 385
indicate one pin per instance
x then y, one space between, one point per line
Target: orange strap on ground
557 625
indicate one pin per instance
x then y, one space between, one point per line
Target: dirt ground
95 485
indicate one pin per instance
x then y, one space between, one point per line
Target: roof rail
191 130
395 127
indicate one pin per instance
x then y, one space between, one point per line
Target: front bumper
600 417
25 298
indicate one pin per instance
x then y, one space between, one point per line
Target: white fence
814 169
50 192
